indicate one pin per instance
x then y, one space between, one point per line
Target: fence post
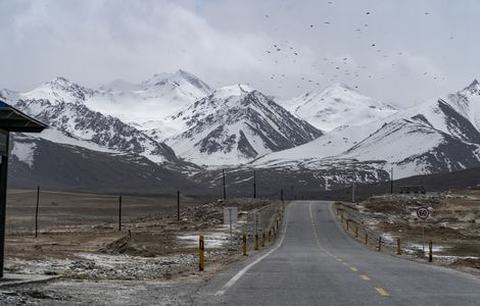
244 245
224 181
256 241
263 239
356 231
178 205
430 247
254 185
347 225
366 238
119 213
201 253
269 236
379 243
399 250
36 211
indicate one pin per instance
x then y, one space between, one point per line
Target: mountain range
174 130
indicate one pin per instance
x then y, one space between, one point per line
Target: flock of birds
337 68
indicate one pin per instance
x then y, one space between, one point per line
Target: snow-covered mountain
135 126
236 124
338 105
61 104
438 136
58 166
149 104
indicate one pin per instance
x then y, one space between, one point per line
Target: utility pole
36 211
254 185
224 186
353 192
391 181
119 213
178 205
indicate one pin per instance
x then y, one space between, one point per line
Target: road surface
316 263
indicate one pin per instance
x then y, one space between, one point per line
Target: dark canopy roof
13 120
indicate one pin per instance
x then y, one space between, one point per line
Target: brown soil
87 224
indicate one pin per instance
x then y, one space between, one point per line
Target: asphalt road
316 263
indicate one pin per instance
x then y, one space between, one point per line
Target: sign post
230 218
423 213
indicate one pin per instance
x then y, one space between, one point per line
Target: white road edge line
240 273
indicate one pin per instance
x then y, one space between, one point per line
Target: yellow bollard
201 254
244 245
399 250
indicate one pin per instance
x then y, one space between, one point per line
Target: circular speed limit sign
423 213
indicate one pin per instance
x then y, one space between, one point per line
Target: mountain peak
233 90
473 87
338 105
175 79
60 81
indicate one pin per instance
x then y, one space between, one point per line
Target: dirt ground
453 225
79 236
79 242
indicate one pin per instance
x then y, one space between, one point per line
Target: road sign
423 213
230 218
230 215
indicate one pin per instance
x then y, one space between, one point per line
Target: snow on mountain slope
456 114
415 147
57 166
333 143
437 136
148 105
61 104
338 105
236 124
467 102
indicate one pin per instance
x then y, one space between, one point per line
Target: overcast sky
401 52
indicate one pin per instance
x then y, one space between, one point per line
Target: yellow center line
382 292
